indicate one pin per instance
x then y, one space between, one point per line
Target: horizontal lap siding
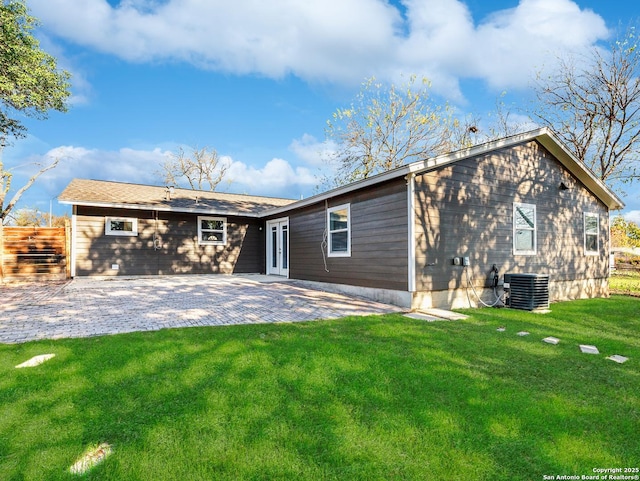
378 240
33 251
178 252
466 209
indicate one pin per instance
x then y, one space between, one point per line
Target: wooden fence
34 252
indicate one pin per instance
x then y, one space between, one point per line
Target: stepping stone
523 333
589 349
35 361
618 359
444 314
90 458
551 340
423 317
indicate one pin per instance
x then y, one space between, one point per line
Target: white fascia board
200 211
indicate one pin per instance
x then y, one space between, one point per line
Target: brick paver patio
89 307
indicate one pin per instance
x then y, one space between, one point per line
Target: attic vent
527 291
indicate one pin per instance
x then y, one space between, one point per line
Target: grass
381 397
625 282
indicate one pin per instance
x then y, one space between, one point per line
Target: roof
543 135
100 193
134 196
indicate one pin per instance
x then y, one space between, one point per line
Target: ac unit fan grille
529 291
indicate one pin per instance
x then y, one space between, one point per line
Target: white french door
278 247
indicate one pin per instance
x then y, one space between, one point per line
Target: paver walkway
88 307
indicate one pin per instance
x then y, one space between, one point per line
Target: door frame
281 226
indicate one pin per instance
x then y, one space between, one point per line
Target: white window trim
529 252
212 243
584 228
346 253
132 232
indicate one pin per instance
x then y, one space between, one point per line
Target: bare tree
386 127
202 169
593 103
5 186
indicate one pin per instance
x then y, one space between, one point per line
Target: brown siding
466 209
178 252
378 240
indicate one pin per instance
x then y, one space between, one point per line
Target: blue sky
257 81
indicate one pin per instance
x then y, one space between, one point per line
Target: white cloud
123 165
277 177
340 41
530 36
633 216
311 151
271 38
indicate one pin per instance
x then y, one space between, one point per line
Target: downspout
411 234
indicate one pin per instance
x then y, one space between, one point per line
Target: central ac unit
527 291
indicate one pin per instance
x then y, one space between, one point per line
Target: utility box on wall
527 291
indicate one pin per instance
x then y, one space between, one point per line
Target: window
524 229
120 226
339 229
212 231
591 229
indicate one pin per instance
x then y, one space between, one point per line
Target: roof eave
151 207
556 147
413 168
543 135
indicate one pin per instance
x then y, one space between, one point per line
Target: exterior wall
178 252
466 209
378 240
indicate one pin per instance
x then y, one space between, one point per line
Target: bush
625 260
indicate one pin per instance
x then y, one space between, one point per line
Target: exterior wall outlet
115 267
466 261
457 261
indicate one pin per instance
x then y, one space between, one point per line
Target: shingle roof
137 196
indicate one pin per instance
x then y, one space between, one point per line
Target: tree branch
16 197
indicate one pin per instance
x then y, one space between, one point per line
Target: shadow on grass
358 398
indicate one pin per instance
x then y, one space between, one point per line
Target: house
422 235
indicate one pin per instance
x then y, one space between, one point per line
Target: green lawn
382 397
625 282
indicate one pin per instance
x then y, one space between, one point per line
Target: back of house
442 232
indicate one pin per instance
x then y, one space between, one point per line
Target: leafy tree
593 102
202 169
624 233
28 217
32 216
30 85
